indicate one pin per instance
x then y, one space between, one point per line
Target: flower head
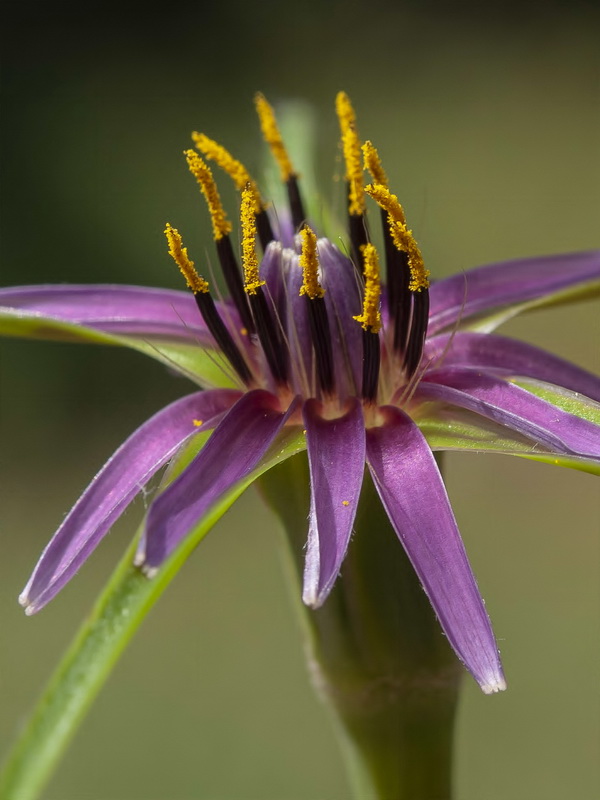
312 352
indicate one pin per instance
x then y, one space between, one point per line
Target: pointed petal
233 451
515 407
509 357
124 310
114 487
413 494
163 324
336 456
480 291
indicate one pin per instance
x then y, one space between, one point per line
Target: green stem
377 655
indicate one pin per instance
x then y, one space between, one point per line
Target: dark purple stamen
221 335
233 279
371 360
264 229
270 337
295 200
321 340
418 331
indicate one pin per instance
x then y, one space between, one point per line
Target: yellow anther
373 163
234 168
388 201
198 422
252 279
179 255
309 261
345 502
370 319
203 174
402 237
272 136
352 156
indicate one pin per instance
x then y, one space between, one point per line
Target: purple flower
312 352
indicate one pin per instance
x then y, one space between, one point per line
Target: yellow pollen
345 502
234 168
370 319
203 174
179 255
403 237
309 261
272 136
352 156
198 422
252 279
373 163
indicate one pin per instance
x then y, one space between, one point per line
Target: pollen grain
272 136
370 318
309 261
402 237
203 174
252 279
352 154
179 255
214 151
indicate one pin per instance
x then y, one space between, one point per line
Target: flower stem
377 655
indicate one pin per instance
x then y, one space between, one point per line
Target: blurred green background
488 124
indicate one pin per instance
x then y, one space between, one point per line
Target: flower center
296 324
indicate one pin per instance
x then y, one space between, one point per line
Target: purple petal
480 290
233 451
512 406
114 487
509 357
125 310
414 496
336 456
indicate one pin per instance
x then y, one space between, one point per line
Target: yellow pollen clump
203 174
352 157
179 255
198 422
403 237
370 319
252 279
272 136
373 163
345 502
309 261
234 168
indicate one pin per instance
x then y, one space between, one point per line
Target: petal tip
494 686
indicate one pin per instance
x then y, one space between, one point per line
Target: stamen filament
203 174
269 334
206 305
317 310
